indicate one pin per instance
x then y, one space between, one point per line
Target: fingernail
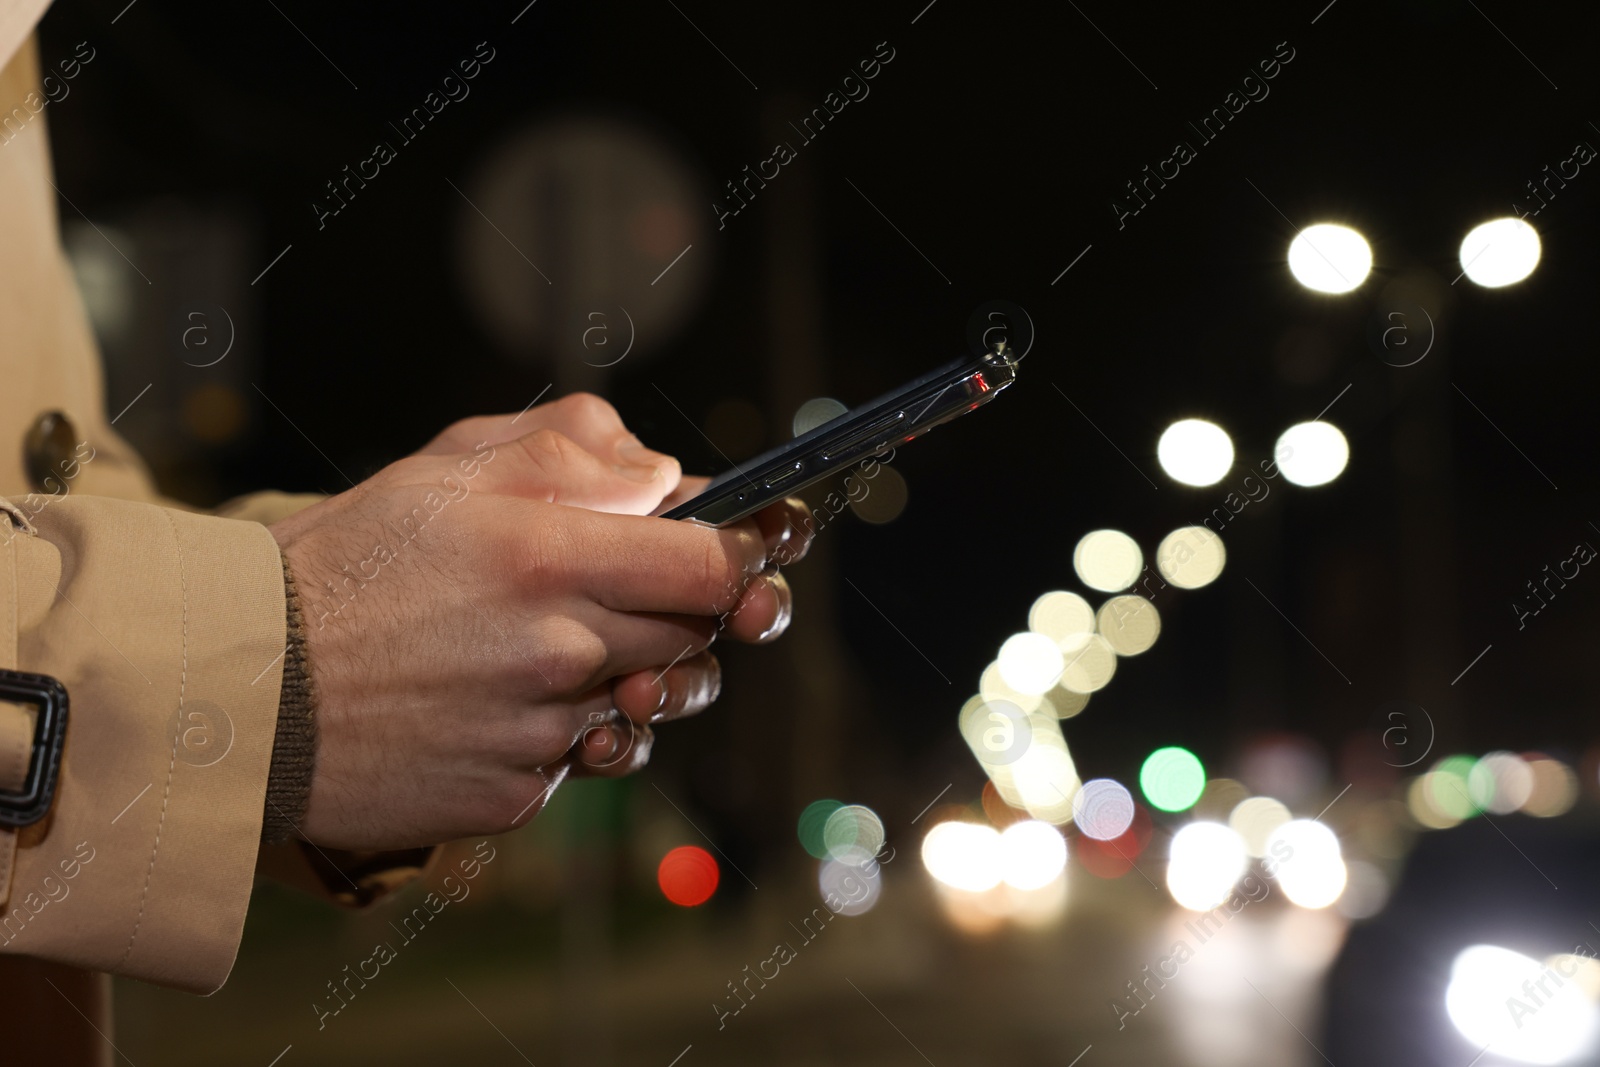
636 474
600 748
716 680
661 698
785 609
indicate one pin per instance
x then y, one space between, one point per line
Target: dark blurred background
572 190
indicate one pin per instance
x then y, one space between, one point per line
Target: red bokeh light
687 876
1114 858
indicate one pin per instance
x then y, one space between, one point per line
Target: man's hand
468 608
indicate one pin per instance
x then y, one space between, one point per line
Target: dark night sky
996 140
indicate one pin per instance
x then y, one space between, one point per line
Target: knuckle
408 469
575 661
547 447
589 408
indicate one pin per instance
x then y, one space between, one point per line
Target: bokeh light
853 834
1218 799
1103 809
1130 624
854 891
1065 703
812 820
687 876
814 413
1191 557
1194 452
1032 854
1500 782
1046 778
997 731
991 686
1447 787
1330 258
1366 890
1308 863
1555 789
1107 560
963 855
1089 661
1206 860
1500 252
1115 857
1060 615
1030 662
1312 453
1287 766
885 499
1255 820
1172 779
1419 803
1487 986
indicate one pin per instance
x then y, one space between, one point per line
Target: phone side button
778 478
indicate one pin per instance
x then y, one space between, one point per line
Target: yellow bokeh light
1090 661
1060 615
1065 703
1419 802
1190 557
1255 820
1107 560
1130 624
991 686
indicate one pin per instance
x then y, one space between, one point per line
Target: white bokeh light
1330 258
1206 860
1312 453
1032 854
1103 809
1195 452
1489 1001
963 855
1500 252
1030 662
1307 862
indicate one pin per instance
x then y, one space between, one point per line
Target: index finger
639 563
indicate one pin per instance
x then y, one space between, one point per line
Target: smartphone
861 434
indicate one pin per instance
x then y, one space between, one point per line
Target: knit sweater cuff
294 747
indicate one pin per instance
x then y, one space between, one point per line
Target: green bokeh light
1449 787
813 820
1172 778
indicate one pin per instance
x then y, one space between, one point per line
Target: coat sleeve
167 629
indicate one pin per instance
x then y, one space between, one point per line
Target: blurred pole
808 675
1431 645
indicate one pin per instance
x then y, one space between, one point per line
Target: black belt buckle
49 697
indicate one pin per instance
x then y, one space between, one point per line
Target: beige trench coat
142 609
